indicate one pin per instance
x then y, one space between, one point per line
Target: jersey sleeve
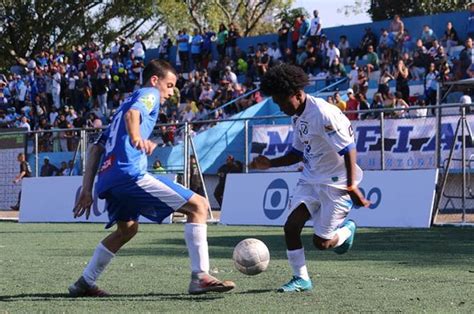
297 147
338 131
145 104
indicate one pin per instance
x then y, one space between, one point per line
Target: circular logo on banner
275 200
374 196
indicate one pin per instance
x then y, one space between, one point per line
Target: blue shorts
153 198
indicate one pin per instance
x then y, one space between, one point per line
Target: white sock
100 259
342 233
196 240
297 262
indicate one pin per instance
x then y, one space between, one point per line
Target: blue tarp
225 138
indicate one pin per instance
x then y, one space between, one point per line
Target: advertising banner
52 199
398 198
409 143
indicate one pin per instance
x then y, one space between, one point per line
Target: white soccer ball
251 257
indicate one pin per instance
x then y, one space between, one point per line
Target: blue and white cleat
346 246
296 284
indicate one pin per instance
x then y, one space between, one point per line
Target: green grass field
387 270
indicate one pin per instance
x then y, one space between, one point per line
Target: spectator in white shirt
344 48
139 48
24 124
332 53
353 75
207 94
116 47
187 115
56 88
315 28
229 75
53 115
274 53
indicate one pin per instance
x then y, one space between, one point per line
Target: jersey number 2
113 133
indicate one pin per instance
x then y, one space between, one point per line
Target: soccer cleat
296 284
344 247
203 282
82 289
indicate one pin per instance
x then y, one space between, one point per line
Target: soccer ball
251 257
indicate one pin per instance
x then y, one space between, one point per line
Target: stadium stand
81 88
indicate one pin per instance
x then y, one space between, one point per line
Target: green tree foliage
291 14
386 9
252 17
28 26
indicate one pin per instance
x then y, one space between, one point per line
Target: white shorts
328 206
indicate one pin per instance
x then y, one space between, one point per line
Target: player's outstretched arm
356 195
83 204
262 162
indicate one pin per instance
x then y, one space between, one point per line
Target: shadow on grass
435 246
256 291
115 297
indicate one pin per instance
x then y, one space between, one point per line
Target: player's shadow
255 291
119 297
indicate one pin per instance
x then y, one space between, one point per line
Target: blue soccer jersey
123 163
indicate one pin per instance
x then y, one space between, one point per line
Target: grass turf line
387 270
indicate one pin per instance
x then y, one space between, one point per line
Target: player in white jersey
327 189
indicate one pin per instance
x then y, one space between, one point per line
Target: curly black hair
283 79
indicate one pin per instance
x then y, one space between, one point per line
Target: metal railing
82 134
382 116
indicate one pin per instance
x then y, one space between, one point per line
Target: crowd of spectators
82 87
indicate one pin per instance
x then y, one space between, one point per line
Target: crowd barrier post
382 144
246 143
438 114
463 162
36 155
186 155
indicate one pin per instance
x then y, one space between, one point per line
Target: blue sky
328 12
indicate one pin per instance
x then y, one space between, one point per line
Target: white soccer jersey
322 134
314 26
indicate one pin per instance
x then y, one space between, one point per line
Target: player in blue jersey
131 192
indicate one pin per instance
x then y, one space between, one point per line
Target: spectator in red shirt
92 65
352 104
295 36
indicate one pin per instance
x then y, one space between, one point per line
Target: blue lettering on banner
404 133
366 135
374 196
275 200
95 205
276 144
446 140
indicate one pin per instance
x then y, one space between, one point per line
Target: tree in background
253 17
386 9
27 26
291 14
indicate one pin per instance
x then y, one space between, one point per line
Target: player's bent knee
321 244
196 208
127 231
